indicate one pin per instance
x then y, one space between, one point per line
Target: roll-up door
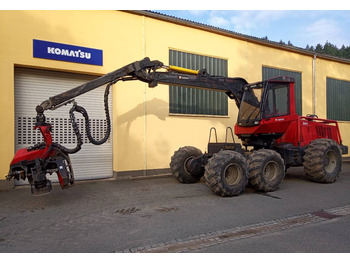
33 86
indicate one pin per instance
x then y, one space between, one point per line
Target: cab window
277 102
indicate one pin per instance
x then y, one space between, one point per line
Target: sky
302 22
300 27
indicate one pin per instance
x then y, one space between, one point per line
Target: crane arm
128 70
145 70
48 157
233 87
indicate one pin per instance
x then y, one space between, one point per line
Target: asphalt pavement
163 215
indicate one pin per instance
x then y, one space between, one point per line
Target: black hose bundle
81 110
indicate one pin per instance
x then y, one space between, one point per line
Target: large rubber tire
266 170
226 173
178 164
322 161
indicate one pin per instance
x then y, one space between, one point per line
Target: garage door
33 86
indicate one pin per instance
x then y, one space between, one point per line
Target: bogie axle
227 168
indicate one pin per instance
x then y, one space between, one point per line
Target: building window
184 100
269 72
338 99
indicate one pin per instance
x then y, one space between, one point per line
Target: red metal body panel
276 125
292 99
24 155
297 130
314 128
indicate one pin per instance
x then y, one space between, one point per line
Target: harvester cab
266 111
266 99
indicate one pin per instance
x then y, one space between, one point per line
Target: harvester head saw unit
36 162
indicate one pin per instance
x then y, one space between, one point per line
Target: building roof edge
228 33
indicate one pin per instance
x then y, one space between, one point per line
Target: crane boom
145 70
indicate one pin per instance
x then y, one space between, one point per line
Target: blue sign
69 53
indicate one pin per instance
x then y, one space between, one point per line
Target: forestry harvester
273 136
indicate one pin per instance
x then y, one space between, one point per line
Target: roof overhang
228 33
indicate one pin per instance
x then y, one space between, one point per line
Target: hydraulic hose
81 110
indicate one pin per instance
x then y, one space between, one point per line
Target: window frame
193 101
337 99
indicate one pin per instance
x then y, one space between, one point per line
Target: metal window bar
195 101
338 99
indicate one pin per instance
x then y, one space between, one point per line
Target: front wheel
226 173
179 161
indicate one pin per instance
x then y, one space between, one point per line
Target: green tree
330 49
319 49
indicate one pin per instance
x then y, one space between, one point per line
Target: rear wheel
179 161
226 173
322 161
266 169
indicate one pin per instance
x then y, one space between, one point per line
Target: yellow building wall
118 34
145 134
323 69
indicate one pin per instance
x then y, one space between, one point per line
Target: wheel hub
192 166
233 174
330 161
270 171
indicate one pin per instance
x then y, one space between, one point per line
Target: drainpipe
144 102
314 85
